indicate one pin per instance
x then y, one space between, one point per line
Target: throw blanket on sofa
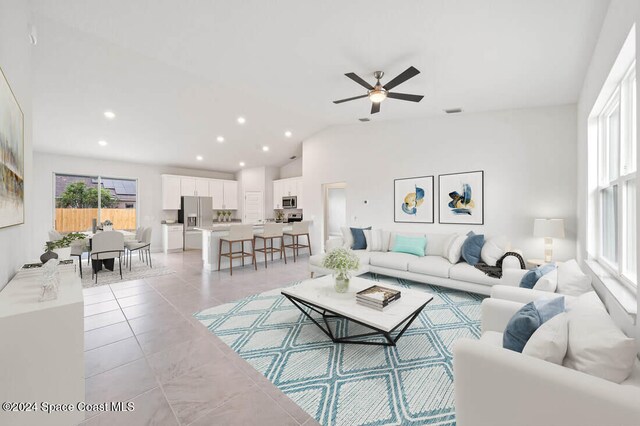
496 271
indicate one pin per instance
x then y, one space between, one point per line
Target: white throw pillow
597 346
549 342
377 240
571 280
436 244
455 248
493 249
347 237
588 300
548 282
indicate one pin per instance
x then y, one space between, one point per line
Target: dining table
99 264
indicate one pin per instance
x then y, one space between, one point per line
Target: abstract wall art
413 200
462 198
11 157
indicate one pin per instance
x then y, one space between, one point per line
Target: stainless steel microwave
290 202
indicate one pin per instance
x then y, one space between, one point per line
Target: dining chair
298 229
270 232
78 248
238 234
143 247
107 245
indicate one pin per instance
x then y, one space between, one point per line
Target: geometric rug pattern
350 384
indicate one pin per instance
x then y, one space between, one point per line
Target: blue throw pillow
531 278
528 319
411 245
472 248
359 241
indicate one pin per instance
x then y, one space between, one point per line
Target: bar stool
298 229
238 234
271 231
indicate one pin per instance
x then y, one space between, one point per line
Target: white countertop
223 227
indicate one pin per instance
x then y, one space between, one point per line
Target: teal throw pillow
410 245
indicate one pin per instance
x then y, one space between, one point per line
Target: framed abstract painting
413 200
462 198
11 157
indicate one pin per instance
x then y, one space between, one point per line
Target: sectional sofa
433 268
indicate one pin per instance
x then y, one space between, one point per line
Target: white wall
257 179
15 60
150 211
621 16
528 157
292 169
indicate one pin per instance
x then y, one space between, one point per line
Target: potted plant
342 262
220 215
62 247
107 225
228 214
279 216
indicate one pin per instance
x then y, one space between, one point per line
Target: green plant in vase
220 215
342 262
228 214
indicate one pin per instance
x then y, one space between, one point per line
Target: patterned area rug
139 270
349 384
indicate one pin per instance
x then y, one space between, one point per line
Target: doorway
335 209
253 207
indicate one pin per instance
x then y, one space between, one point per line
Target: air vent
293 157
364 120
453 110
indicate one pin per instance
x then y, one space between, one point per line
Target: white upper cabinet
202 187
170 192
277 194
230 194
187 186
216 191
289 188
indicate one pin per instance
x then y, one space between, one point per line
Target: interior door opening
335 209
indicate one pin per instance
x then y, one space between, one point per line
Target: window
616 189
79 200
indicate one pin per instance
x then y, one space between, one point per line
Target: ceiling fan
379 93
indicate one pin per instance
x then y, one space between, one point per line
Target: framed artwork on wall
461 198
11 157
413 200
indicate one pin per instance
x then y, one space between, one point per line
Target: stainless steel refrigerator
195 212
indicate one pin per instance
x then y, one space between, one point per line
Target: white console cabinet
42 349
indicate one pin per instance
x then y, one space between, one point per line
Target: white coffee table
319 295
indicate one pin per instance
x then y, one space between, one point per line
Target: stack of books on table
377 297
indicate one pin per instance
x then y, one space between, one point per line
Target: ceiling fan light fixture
377 95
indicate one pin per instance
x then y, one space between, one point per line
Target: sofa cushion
492 338
363 255
436 244
528 319
436 266
465 272
411 245
571 279
493 249
453 247
548 282
472 248
316 260
391 260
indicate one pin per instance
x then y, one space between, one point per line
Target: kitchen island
211 243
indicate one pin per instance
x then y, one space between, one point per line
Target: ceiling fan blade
405 97
350 99
375 107
353 76
404 76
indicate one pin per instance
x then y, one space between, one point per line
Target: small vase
48 255
342 281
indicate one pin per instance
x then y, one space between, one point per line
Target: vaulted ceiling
177 73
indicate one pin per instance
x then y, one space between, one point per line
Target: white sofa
499 387
432 269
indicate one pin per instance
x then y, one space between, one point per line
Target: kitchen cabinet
187 186
299 192
289 188
277 194
171 238
216 191
171 192
202 187
230 189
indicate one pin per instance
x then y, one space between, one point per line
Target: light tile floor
143 345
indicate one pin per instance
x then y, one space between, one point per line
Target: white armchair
499 387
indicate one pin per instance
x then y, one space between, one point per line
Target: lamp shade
548 228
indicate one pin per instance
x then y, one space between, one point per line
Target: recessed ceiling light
110 115
241 120
102 143
220 139
199 157
288 133
242 164
265 148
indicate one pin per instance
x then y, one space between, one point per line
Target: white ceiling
178 72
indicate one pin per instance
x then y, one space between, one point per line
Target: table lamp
548 229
